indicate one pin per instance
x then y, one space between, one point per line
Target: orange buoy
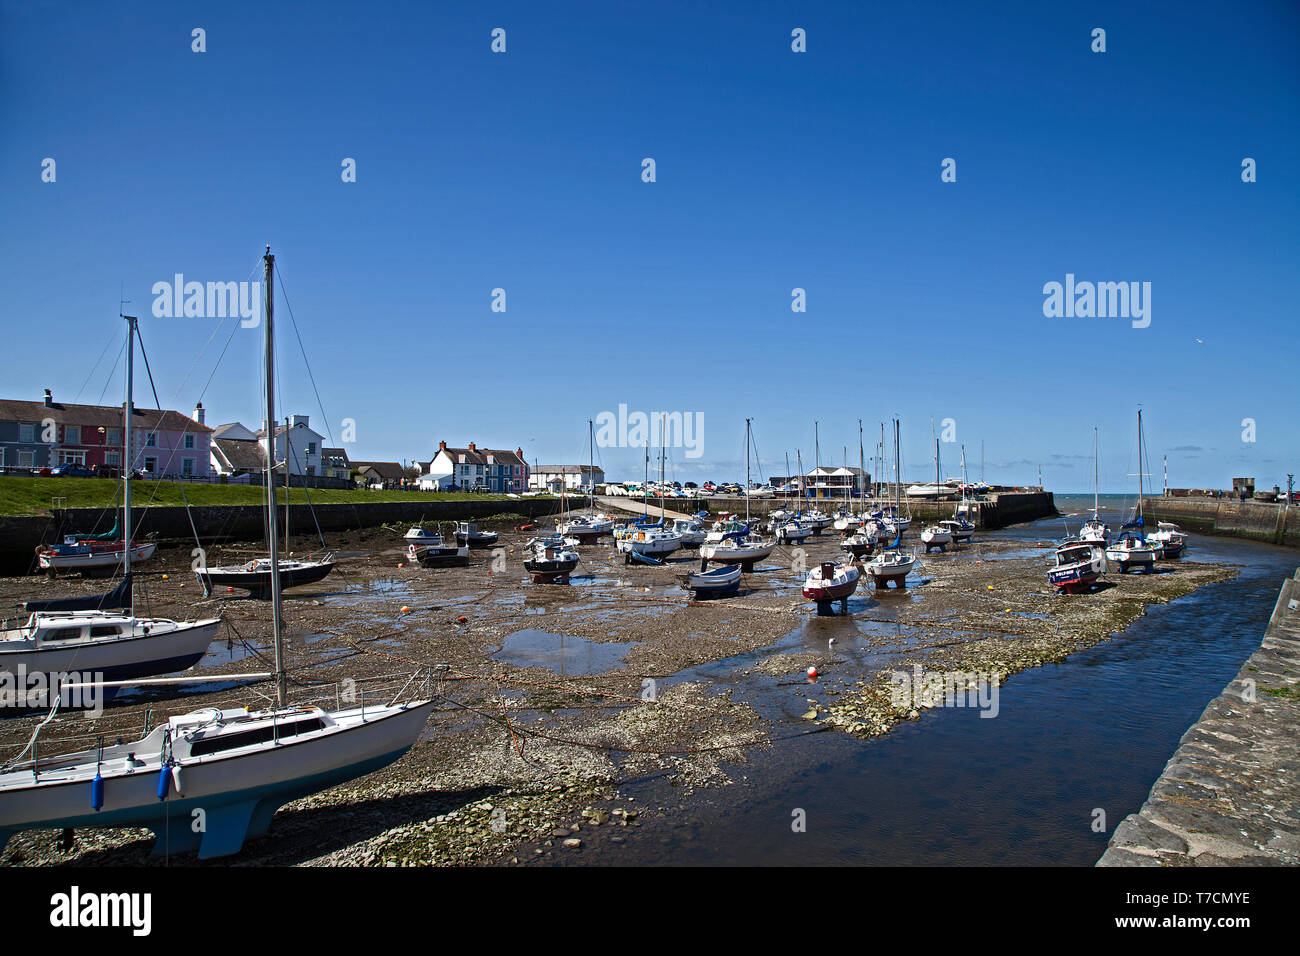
400 566
164 577
230 590
405 609
462 619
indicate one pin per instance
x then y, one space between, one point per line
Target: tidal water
1072 741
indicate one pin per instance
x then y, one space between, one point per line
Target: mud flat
555 696
1230 795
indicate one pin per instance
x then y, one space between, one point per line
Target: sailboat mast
127 414
286 486
272 531
663 503
747 421
591 467
1096 473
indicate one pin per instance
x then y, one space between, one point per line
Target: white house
565 477
235 448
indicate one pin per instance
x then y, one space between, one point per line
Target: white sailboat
740 546
1131 550
235 766
98 644
1095 531
935 535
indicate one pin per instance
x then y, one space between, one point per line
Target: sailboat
1130 550
235 766
260 577
893 565
737 545
655 541
1095 531
79 636
588 527
935 535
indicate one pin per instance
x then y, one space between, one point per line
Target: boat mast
663 504
747 421
1095 476
286 486
861 462
127 414
281 682
591 468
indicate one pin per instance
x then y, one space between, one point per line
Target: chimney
296 420
49 399
471 446
198 413
442 446
519 453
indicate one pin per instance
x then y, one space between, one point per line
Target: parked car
71 470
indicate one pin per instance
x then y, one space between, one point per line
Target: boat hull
237 794
258 583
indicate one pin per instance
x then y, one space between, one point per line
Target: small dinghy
467 533
830 582
636 557
890 566
719 582
551 562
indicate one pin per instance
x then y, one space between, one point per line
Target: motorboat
737 547
467 532
1079 565
550 562
1171 541
890 566
829 582
77 554
437 552
691 531
418 535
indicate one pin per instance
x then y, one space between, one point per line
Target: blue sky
775 170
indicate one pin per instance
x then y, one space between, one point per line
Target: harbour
543 738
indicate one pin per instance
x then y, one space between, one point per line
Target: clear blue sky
775 170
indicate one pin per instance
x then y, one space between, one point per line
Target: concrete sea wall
1257 520
1230 795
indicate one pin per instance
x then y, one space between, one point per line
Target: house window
189 441
27 433
27 459
151 440
112 458
72 435
73 457
150 464
187 466
311 448
113 436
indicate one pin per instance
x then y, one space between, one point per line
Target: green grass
35 496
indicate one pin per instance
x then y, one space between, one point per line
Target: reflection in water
531 647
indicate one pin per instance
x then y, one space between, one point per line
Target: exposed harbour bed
529 750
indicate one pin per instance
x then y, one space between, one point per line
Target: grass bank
36 496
